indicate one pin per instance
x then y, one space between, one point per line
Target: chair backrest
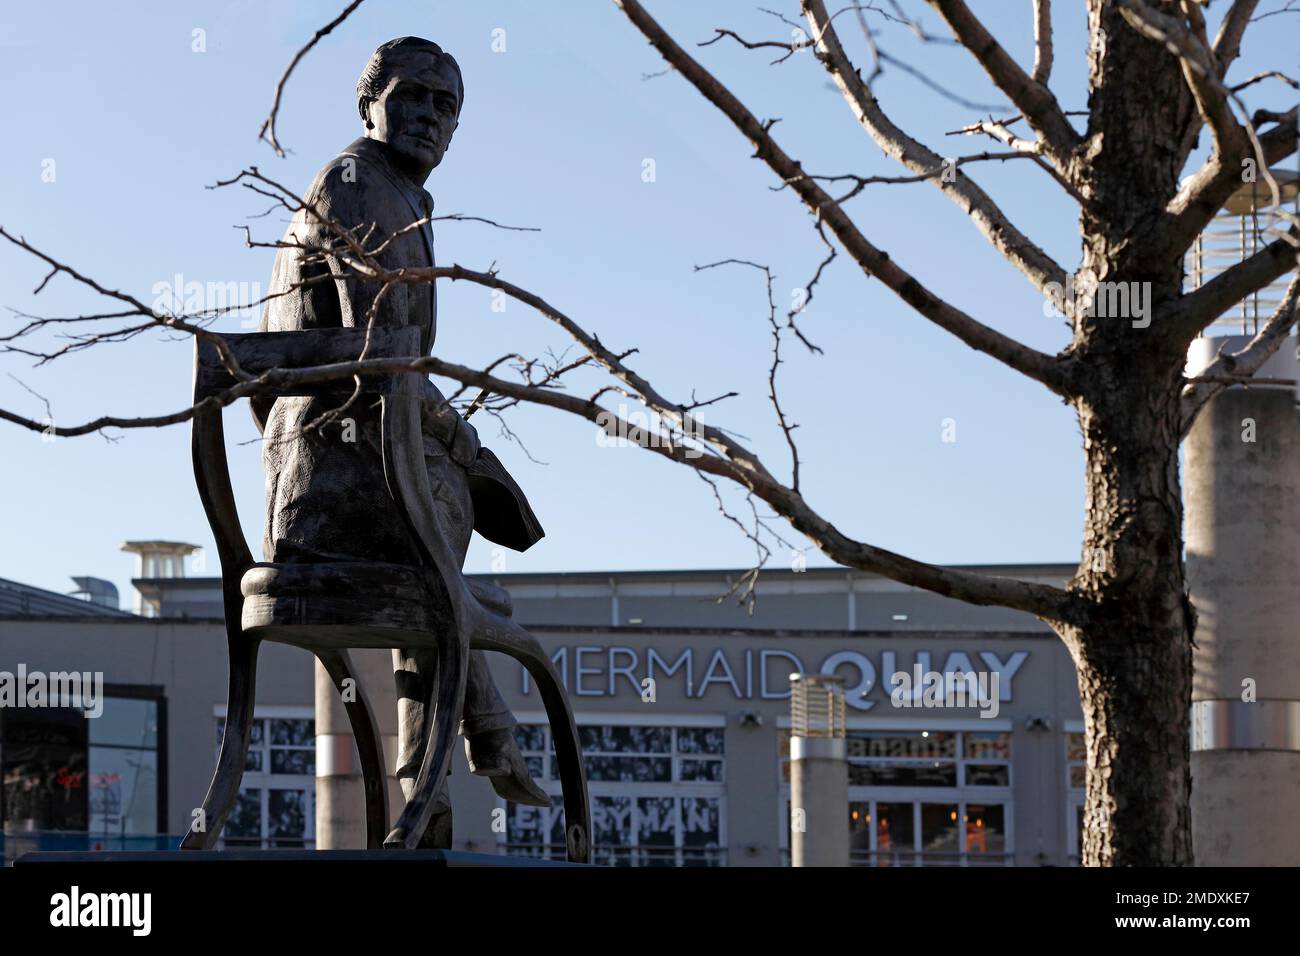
256 353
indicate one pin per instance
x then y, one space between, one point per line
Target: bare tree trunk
1133 656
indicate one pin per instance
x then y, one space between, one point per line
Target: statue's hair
375 76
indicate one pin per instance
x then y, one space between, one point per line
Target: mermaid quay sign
592 670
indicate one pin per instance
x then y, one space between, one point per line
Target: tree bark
1133 655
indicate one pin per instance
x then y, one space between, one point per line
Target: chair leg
508 637
448 696
224 788
568 750
338 665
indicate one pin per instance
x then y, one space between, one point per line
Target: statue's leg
485 708
487 722
485 711
415 671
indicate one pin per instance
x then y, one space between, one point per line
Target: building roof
24 600
816 599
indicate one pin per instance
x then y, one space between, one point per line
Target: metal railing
1246 225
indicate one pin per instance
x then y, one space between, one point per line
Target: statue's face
416 112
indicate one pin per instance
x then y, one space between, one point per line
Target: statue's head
409 97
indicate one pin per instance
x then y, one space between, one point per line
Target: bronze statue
325 492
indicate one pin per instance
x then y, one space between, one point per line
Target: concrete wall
1243 567
187 659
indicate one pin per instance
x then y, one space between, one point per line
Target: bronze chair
327 608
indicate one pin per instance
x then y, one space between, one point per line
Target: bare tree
1155 80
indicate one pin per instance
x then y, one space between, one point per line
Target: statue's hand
450 428
464 445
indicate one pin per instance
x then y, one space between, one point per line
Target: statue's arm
350 204
446 424
347 202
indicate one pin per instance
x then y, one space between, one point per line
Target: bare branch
1227 44
1265 75
873 261
787 429
137 307
983 211
267 132
1030 96
461 217
1240 367
1042 41
1290 7
790 48
1198 308
710 450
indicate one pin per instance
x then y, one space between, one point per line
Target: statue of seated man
326 496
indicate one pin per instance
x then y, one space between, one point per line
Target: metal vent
816 706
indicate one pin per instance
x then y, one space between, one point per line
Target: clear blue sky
553 134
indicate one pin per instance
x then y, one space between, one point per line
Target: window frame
265 781
679 790
962 795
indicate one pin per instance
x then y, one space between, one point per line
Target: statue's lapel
364 149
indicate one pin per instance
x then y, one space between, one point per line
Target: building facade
681 694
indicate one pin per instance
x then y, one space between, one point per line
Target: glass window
44 768
912 745
244 825
859 829
985 830
895 841
1075 747
287 822
988 775
904 775
1076 769
126 722
625 739
700 740
995 746
701 770
656 829
701 825
655 792
123 791
926 783
1076 761
600 767
64 771
940 834
277 804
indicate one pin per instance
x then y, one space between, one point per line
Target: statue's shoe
495 755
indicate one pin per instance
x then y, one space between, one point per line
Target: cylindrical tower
819 775
340 797
1242 504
